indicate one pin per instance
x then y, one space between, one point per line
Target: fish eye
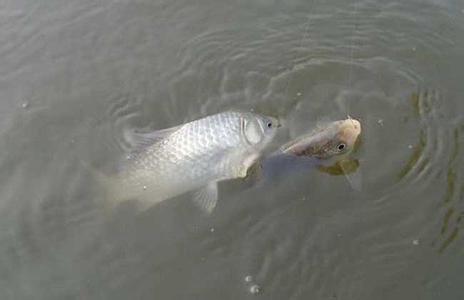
341 147
269 124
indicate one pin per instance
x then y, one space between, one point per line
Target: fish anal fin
206 197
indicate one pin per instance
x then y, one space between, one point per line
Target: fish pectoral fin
206 197
353 177
246 164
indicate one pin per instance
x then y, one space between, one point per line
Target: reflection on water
415 156
454 195
426 104
343 167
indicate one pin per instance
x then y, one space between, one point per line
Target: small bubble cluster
254 288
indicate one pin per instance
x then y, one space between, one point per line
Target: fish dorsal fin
139 140
206 197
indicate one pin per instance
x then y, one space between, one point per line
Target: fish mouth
350 129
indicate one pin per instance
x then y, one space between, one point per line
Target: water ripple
307 73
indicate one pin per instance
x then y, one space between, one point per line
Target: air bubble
255 289
25 104
248 278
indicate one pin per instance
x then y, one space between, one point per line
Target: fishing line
354 179
350 71
289 79
341 103
305 35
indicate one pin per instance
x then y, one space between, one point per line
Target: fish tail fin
108 185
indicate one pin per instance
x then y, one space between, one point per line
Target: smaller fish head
347 134
259 129
338 139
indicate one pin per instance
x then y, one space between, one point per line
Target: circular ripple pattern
295 67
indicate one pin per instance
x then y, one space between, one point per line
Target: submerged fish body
193 156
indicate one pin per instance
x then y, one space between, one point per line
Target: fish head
335 140
345 137
258 130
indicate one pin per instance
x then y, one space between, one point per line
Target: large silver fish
193 156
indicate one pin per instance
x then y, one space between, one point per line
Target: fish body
321 147
333 140
193 156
